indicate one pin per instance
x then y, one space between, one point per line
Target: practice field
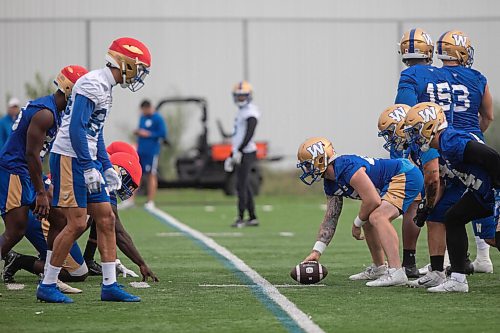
201 292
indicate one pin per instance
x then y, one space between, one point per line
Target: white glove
113 179
237 156
229 165
93 180
120 268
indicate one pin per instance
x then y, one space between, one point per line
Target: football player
126 159
82 173
472 162
21 181
398 181
244 152
391 127
417 84
472 111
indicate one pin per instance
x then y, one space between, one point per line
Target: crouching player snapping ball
398 181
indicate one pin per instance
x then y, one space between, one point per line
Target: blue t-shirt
5 129
12 155
156 126
423 83
468 87
380 171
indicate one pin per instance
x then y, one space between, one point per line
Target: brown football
309 272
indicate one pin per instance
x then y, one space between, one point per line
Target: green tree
39 87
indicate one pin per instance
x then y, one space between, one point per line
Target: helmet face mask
310 174
242 93
414 136
392 141
391 124
128 185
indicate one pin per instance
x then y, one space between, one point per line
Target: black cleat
469 268
11 267
412 271
94 268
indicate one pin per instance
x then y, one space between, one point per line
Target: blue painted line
257 290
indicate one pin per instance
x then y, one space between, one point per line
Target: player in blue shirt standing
472 162
416 84
472 111
386 188
21 180
151 133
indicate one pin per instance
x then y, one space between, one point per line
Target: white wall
318 67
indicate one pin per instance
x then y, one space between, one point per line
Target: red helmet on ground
67 78
129 168
132 58
121 147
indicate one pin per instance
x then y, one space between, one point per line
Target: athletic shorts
15 191
69 183
149 163
483 228
404 188
37 233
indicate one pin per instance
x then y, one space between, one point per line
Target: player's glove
93 180
237 156
229 164
120 268
422 214
113 179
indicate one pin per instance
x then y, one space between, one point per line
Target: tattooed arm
431 182
327 227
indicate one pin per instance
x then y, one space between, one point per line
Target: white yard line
252 285
299 317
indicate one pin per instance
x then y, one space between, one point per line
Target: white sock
446 261
51 275
483 249
108 273
458 276
47 262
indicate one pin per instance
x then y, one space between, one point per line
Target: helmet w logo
398 114
460 40
427 38
316 149
428 113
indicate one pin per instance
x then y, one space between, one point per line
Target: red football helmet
122 147
133 59
129 168
67 78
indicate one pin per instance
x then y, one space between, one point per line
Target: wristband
319 247
358 222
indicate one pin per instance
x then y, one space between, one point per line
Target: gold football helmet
313 156
67 78
422 123
242 93
455 45
391 126
416 44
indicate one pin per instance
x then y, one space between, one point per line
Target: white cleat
67 289
483 265
149 205
424 270
393 277
451 285
371 272
431 279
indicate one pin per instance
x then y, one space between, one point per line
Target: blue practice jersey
467 86
156 126
380 171
452 144
423 83
13 152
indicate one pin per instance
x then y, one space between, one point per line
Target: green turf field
179 304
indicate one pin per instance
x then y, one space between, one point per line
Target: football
309 272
